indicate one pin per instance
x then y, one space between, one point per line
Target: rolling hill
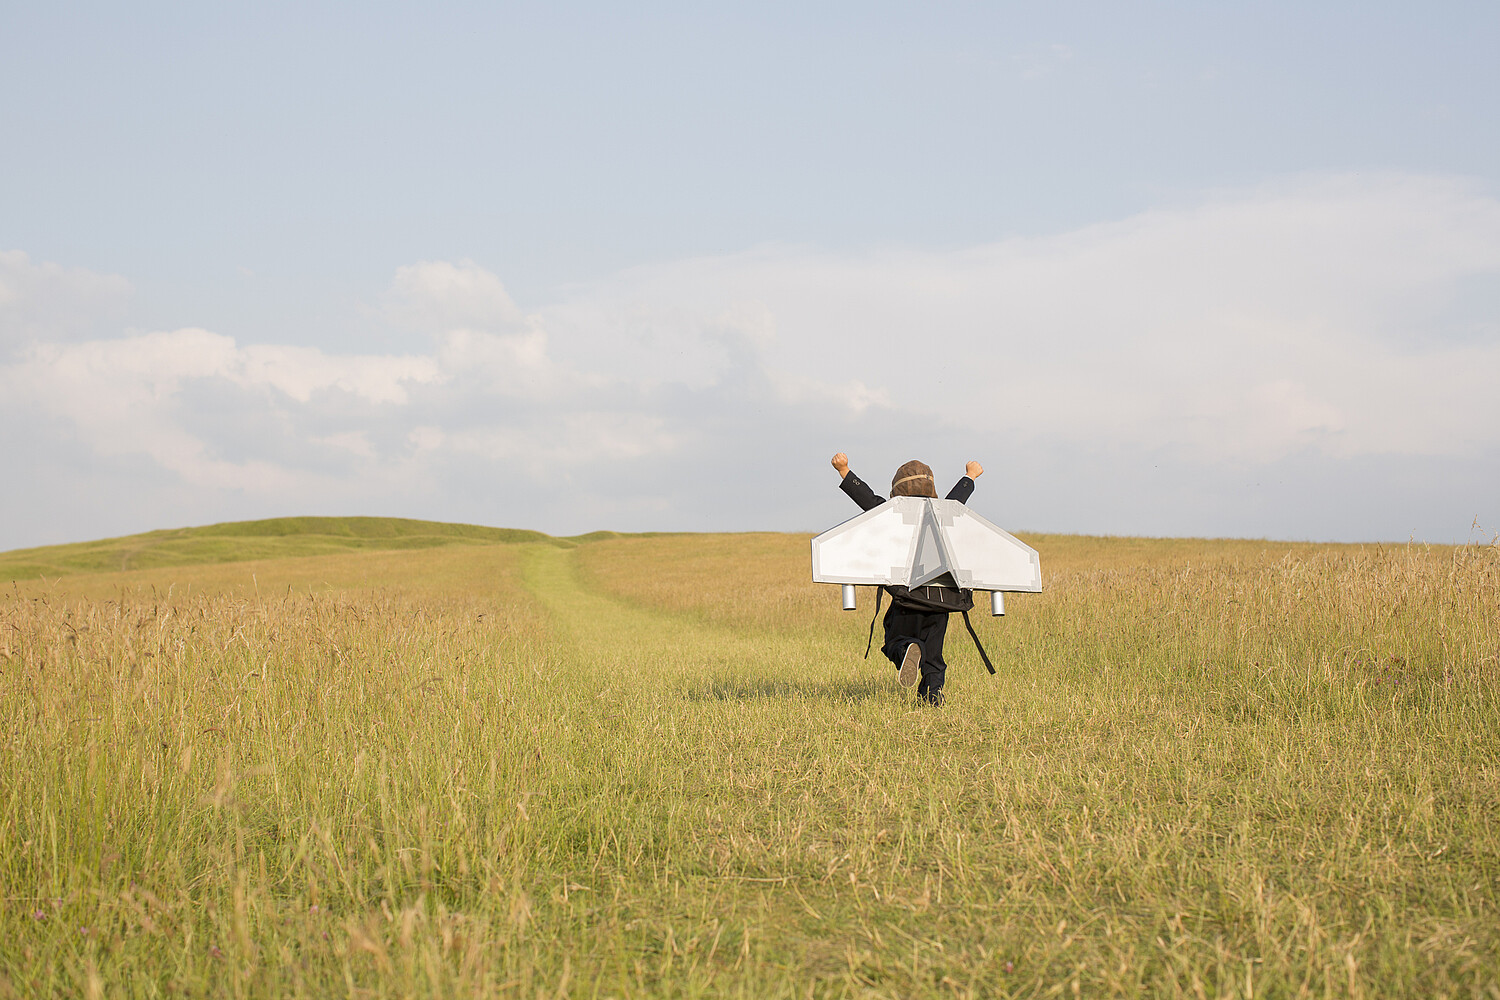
274 538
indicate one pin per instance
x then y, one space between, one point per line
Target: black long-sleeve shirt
864 496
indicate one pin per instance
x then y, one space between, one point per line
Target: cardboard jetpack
917 541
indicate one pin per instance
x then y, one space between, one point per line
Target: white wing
989 557
875 547
909 541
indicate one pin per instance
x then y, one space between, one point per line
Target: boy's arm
854 486
964 488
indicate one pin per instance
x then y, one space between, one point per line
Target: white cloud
1305 315
121 396
514 365
1321 320
300 371
853 395
46 301
545 448
439 296
355 442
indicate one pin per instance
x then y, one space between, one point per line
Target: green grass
242 541
659 767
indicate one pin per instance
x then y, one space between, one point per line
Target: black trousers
904 626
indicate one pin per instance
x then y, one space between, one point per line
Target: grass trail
679 656
624 641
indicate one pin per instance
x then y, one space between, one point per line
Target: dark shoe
934 698
910 666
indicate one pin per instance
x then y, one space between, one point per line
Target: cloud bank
1315 358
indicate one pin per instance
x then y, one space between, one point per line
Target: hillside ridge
269 538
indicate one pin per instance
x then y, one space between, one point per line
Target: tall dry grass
659 767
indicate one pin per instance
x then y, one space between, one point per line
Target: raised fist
974 470
841 462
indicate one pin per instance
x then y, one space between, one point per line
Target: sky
1208 269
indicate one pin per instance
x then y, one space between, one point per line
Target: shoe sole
910 664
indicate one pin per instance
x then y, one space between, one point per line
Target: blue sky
1224 269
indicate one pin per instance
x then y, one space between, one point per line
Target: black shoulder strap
879 593
975 636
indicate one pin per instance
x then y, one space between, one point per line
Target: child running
913 635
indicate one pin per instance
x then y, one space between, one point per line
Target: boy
913 636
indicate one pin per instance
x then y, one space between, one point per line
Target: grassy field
518 766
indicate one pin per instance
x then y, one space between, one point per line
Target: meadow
397 760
